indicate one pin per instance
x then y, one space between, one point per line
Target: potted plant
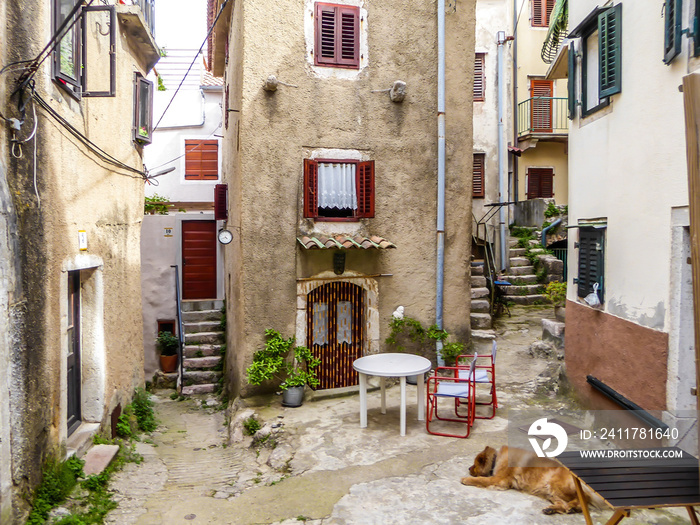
272 363
556 293
167 345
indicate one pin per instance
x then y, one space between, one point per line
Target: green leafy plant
556 292
156 205
58 480
414 330
251 425
271 363
450 351
551 210
143 409
124 426
161 86
167 343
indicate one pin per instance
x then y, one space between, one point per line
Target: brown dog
515 468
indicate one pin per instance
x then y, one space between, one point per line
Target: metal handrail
489 260
180 330
550 116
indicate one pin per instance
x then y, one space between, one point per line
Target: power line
206 38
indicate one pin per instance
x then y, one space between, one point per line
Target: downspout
441 175
502 152
514 197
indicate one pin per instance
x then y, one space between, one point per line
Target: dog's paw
549 510
466 481
574 510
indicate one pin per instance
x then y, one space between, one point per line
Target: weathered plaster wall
546 155
602 345
275 130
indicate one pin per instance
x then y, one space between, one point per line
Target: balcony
542 119
137 18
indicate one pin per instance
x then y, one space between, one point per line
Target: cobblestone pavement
318 466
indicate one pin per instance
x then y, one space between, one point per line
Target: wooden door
199 259
73 359
335 315
541 112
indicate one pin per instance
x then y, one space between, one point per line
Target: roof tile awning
345 242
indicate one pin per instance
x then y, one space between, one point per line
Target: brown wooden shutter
541 109
541 12
479 78
478 189
540 183
349 41
365 189
201 159
337 41
310 188
221 202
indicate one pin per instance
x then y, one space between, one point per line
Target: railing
148 8
480 236
562 255
180 330
543 115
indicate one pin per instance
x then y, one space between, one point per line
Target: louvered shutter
533 183
201 159
349 41
365 189
541 112
479 78
221 202
590 261
672 29
337 35
310 188
546 184
478 175
540 183
541 12
571 81
610 38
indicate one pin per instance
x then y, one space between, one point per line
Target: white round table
392 365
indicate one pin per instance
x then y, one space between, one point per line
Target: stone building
346 95
76 116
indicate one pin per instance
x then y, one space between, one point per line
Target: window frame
112 53
364 187
591 239
137 136
479 174
337 60
71 84
673 15
200 175
480 73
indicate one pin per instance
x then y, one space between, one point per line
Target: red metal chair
485 374
445 383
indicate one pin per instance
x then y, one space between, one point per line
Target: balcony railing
148 8
542 116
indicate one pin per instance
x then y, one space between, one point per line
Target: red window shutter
478 189
479 78
349 38
365 189
310 188
337 39
537 10
221 202
201 159
541 110
325 33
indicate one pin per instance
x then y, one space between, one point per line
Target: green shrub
556 292
551 211
156 205
58 481
251 425
143 409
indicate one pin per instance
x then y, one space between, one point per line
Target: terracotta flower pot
168 363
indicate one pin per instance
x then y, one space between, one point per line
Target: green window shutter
696 37
571 82
590 261
609 41
672 29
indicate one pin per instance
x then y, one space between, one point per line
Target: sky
181 24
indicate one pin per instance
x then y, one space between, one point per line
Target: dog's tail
594 499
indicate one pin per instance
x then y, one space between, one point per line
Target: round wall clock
225 236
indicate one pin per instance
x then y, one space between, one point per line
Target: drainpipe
514 197
502 152
441 175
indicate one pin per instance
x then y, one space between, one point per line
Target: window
338 189
478 175
202 159
591 258
541 11
143 117
337 36
67 54
540 183
672 29
479 78
541 109
601 37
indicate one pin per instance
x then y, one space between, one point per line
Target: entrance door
199 259
541 114
335 316
74 379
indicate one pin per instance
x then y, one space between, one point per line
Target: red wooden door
541 113
199 259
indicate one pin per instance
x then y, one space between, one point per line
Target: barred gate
335 314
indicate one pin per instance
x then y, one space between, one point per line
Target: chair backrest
493 351
472 367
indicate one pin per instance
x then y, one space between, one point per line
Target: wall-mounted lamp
271 84
397 92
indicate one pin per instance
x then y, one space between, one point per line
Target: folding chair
485 374
458 390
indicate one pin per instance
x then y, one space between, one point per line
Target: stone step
478 293
199 389
198 306
201 315
98 458
202 326
517 280
480 321
526 289
519 262
483 335
202 350
201 362
517 252
480 306
477 269
527 299
200 377
478 281
522 270
211 338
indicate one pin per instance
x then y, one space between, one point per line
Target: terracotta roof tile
345 242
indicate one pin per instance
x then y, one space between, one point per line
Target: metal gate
335 314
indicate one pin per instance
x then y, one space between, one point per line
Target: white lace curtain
336 186
343 322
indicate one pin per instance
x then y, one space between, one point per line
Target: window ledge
598 112
140 39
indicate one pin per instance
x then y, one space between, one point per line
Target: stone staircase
204 341
480 316
524 287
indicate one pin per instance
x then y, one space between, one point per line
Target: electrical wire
206 38
515 29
